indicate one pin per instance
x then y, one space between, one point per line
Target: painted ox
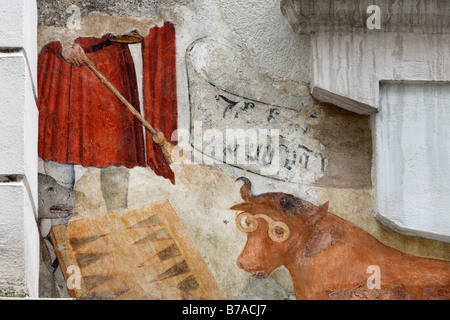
328 257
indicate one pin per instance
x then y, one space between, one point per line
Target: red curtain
160 92
82 122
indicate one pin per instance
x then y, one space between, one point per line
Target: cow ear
321 239
316 216
244 206
325 206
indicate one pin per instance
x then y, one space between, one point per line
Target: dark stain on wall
347 139
54 13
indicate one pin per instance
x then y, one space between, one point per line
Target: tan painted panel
135 254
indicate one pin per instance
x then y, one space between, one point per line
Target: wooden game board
136 254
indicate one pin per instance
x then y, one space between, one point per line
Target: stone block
18 121
18 30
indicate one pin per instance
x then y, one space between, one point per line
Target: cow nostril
239 263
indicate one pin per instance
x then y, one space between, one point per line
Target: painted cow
328 257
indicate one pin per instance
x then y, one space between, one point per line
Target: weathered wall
19 243
349 59
239 65
372 57
412 159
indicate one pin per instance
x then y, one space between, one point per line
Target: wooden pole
157 136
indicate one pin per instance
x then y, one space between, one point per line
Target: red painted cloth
160 92
82 122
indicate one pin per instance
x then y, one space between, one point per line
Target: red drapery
160 92
82 122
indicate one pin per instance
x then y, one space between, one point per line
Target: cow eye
246 222
279 232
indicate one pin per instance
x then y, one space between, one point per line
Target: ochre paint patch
135 254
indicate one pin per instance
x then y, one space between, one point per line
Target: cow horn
246 189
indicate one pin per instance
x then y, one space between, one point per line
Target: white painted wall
412 159
410 42
19 239
348 66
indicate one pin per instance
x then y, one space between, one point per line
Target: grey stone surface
54 13
310 16
55 200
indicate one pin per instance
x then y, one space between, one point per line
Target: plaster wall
348 66
19 121
18 31
412 159
409 41
19 252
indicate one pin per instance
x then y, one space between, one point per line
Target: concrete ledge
312 16
341 101
347 67
396 226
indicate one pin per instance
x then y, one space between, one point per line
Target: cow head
279 227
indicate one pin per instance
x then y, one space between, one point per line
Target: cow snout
250 263
241 262
256 271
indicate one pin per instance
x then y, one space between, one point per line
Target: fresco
173 167
136 254
300 159
312 244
